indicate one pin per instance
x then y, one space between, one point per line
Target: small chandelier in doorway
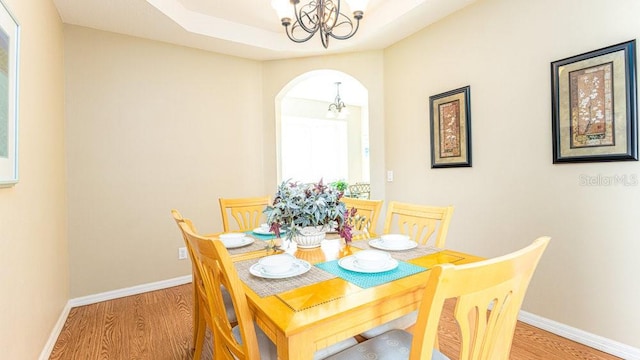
321 16
337 109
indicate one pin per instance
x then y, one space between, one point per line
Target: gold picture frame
594 106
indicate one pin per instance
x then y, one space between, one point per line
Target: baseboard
109 295
580 336
134 290
55 332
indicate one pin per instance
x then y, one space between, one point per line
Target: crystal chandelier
336 108
321 16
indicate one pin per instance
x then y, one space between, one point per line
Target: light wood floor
157 326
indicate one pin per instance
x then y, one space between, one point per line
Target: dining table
328 302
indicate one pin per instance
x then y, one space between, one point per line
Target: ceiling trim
249 29
212 26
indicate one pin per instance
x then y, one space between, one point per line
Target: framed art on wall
594 106
9 33
450 118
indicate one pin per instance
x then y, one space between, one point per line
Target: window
314 149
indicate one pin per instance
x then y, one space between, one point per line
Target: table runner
266 287
405 255
367 280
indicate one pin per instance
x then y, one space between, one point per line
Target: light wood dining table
305 319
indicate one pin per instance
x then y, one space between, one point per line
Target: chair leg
195 315
199 338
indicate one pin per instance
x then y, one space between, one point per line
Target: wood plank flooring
157 326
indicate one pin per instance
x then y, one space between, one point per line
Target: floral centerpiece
299 208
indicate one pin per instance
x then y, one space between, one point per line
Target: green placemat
260 236
367 280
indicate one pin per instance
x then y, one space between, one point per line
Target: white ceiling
248 28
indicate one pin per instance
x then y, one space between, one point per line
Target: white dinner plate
350 263
260 231
240 243
379 244
299 267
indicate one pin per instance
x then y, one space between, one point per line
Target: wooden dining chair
195 278
245 341
420 222
247 212
488 296
200 311
367 213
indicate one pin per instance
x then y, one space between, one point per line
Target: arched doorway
310 143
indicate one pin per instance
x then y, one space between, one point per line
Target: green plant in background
340 185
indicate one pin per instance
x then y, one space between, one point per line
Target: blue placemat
260 236
367 280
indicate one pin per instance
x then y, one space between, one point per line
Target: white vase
310 237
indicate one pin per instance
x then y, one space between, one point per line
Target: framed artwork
450 115
9 33
594 106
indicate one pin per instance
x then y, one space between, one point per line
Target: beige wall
152 127
513 193
34 274
366 67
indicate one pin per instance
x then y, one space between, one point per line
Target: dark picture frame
594 106
450 119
